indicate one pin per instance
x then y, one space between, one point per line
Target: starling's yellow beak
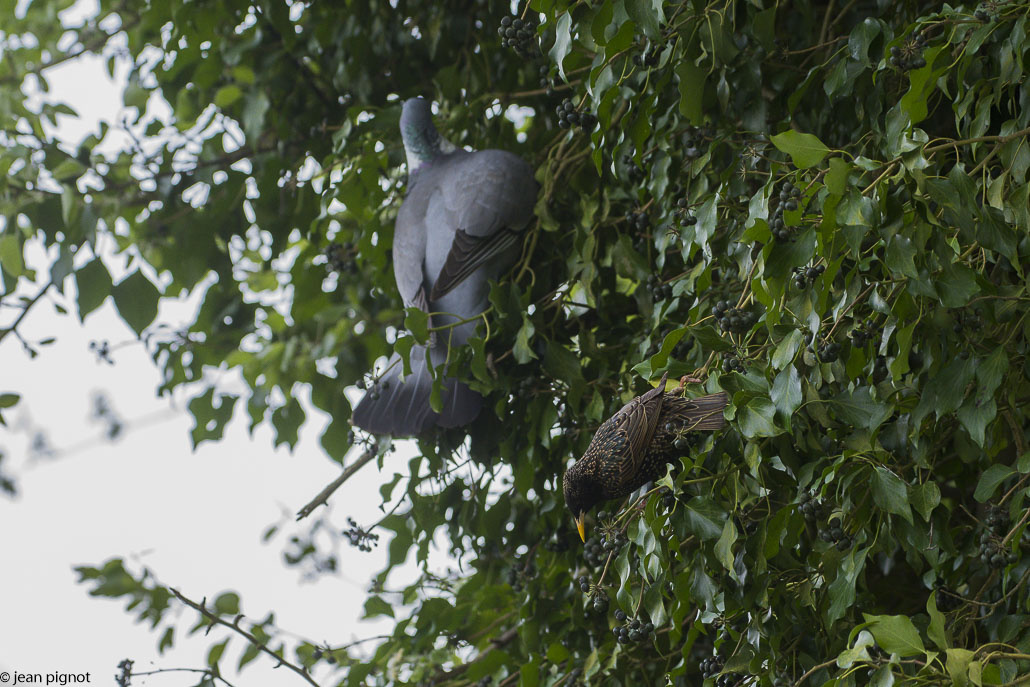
579 527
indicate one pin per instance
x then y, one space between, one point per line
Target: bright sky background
194 519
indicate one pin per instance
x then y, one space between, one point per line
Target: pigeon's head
422 142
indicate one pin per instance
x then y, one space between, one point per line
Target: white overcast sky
194 518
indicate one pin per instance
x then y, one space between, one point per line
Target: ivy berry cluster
686 217
711 666
694 141
812 508
638 220
668 501
808 275
632 631
862 334
788 197
360 537
731 363
569 117
521 571
834 534
340 258
731 319
594 552
648 57
518 34
684 440
545 81
996 522
828 351
909 55
880 369
659 291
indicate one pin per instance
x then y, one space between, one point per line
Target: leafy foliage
848 183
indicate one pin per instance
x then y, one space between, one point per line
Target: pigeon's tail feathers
400 407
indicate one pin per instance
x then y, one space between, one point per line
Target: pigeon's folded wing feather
409 249
489 200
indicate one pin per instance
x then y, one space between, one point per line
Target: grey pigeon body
459 227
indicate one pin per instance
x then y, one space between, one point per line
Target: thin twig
813 669
976 139
235 627
207 671
25 310
323 496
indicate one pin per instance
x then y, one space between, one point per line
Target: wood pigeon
460 226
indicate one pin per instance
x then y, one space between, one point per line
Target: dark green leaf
136 299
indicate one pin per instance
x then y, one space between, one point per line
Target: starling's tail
705 413
401 406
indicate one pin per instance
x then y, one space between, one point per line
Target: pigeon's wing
638 419
468 253
409 247
489 199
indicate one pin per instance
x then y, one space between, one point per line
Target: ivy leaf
990 480
647 14
93 283
10 255
858 652
935 631
704 518
416 321
756 418
890 493
895 634
957 665
562 42
136 299
724 547
991 371
925 497
522 350
787 349
900 254
858 408
786 391
860 39
805 150
837 177
376 606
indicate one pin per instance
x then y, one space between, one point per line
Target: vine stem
206 671
25 311
235 627
827 664
977 139
323 496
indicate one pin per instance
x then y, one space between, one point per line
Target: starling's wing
638 421
489 200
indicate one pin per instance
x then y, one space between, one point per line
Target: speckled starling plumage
633 446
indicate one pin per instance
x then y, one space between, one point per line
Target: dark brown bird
632 447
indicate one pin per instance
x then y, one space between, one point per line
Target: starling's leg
684 380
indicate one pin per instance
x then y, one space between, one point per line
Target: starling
632 447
